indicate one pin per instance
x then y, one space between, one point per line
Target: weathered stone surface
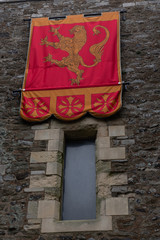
104 223
49 209
1 179
111 153
103 207
139 113
21 175
40 181
116 131
102 131
54 145
130 4
103 191
38 166
35 189
9 177
32 227
118 179
37 172
40 126
54 168
102 179
105 180
119 189
103 142
2 169
49 134
117 206
103 166
123 141
35 196
34 221
32 209
40 157
52 193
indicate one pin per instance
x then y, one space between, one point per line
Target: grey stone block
32 209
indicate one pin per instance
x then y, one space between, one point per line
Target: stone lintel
104 223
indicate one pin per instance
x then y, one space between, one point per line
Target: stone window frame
45 214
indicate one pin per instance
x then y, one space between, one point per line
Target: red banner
73 67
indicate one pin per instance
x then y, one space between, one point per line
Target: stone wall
140 115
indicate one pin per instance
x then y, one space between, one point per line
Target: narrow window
79 187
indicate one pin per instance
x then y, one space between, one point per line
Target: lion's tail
97 49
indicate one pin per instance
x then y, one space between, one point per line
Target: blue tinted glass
79 188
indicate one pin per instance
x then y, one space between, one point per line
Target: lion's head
77 28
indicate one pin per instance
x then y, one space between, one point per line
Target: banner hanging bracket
85 15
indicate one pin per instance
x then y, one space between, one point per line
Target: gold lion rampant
73 46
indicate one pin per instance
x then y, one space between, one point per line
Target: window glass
79 187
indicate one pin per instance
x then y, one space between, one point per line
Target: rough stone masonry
140 62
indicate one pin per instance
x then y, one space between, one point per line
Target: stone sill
103 223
